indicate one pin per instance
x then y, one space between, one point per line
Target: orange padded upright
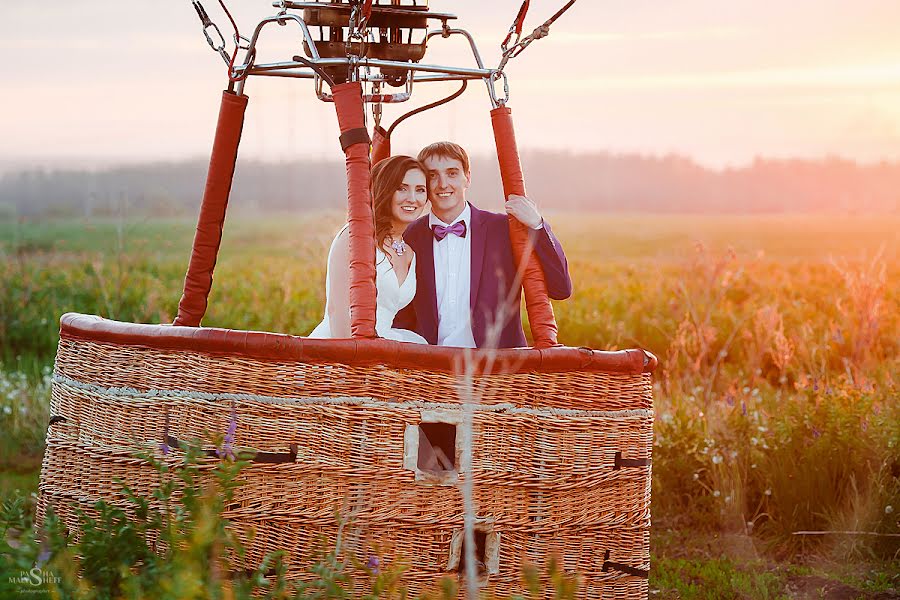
381 145
537 301
198 280
348 102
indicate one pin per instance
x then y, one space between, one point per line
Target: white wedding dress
391 297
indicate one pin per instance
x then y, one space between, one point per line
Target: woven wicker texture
551 457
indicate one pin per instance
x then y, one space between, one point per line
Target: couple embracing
447 278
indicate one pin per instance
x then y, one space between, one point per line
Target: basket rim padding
357 352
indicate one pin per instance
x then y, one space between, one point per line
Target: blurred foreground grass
779 339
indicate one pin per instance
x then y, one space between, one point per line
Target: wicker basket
561 442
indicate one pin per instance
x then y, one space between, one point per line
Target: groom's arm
546 247
553 260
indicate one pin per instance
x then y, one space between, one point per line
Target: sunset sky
98 82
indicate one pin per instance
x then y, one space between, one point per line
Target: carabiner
220 47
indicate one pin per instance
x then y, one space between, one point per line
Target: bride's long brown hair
387 177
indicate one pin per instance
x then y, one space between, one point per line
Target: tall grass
24 413
179 545
777 405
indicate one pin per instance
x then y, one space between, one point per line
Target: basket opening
437 448
479 554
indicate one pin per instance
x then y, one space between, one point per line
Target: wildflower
7 410
816 433
164 448
717 493
888 509
667 417
749 526
696 476
762 429
372 565
743 408
768 492
228 445
717 459
729 400
733 455
753 466
746 390
728 499
43 557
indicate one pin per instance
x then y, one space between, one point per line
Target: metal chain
218 44
376 107
209 26
357 28
520 43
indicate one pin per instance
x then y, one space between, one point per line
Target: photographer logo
34 580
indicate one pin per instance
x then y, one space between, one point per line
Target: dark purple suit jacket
493 275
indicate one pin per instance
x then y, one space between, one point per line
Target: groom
466 277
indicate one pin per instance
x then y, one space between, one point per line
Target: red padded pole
537 301
198 280
348 102
381 145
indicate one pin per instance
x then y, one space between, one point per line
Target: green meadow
777 403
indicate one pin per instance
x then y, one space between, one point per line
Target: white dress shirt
452 280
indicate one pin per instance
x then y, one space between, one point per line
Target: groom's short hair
445 150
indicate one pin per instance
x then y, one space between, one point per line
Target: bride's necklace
399 246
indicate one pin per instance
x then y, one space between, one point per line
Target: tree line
597 182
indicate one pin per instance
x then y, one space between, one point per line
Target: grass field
777 400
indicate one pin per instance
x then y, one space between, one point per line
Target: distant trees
585 182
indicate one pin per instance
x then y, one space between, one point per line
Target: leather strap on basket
629 462
198 280
608 564
537 301
348 102
258 457
381 145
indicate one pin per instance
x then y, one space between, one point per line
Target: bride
399 193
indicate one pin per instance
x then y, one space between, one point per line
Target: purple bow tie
457 229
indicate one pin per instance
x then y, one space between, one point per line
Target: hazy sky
721 82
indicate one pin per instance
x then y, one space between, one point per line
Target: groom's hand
524 210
